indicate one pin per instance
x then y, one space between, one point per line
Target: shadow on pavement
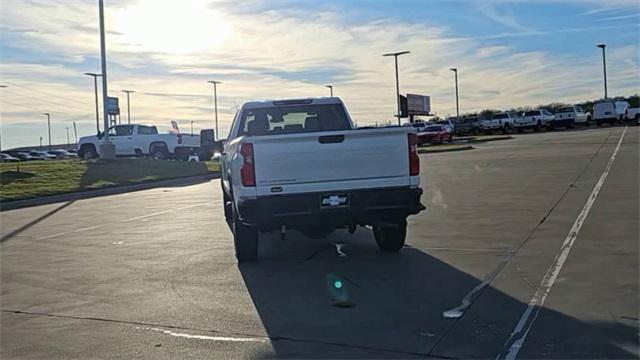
34 222
399 300
7 177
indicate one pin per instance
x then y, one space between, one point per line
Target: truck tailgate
327 161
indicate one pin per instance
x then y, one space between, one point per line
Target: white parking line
205 337
521 330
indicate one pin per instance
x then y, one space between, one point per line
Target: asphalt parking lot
152 273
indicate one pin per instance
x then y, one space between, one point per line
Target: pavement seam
501 266
272 338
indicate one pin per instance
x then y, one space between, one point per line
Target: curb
506 137
434 151
110 190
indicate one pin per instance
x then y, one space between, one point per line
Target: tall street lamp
330 89
128 108
604 68
48 127
215 104
455 71
395 55
95 88
107 149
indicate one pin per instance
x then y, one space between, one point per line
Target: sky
509 54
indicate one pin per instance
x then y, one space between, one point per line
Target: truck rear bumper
299 211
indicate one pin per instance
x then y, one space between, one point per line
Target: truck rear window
293 119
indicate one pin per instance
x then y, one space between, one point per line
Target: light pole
215 103
75 133
191 127
95 88
455 71
48 127
40 142
395 56
107 149
604 68
2 87
330 89
67 128
128 108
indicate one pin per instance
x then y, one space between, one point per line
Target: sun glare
175 27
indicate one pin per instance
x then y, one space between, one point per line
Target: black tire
390 238
245 240
227 205
159 152
87 152
538 127
571 124
450 138
505 129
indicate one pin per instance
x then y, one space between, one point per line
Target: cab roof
292 102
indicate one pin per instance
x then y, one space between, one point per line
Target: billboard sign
113 107
418 104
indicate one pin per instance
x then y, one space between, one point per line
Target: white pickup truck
498 122
569 116
538 118
138 140
301 164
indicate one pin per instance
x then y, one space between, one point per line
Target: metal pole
95 88
215 104
68 142
103 54
395 55
75 133
455 71
604 69
191 127
330 89
128 108
48 127
40 142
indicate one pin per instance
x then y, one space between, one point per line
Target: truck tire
390 238
571 124
87 152
227 205
159 152
245 240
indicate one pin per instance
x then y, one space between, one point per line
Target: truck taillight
414 159
248 170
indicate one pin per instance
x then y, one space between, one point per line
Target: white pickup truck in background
138 140
498 122
301 164
539 118
569 116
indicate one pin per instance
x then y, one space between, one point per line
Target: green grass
41 178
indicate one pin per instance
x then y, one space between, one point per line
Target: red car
434 134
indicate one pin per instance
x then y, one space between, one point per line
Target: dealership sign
418 104
113 107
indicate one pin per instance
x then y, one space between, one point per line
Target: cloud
505 18
279 52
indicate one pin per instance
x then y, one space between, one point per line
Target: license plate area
334 201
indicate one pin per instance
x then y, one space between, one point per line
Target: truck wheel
87 152
227 204
245 240
159 153
390 238
571 124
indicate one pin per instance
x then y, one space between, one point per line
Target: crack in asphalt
270 337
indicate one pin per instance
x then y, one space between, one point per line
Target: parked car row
604 111
31 155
